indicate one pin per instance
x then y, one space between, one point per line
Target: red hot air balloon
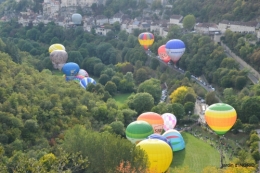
162 54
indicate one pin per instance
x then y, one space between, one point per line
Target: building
50 7
176 20
101 30
234 26
206 28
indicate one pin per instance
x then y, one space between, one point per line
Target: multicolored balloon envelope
70 70
160 137
162 54
138 131
83 72
176 139
78 78
159 154
85 81
220 117
169 120
58 58
56 47
154 119
175 49
146 39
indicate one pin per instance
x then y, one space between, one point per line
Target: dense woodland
46 122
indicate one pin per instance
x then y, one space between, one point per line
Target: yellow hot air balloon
56 47
220 117
146 39
159 154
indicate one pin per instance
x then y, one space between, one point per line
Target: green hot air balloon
138 131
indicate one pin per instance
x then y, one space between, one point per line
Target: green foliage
151 86
141 102
105 151
189 22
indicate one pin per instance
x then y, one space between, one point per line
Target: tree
75 56
111 87
103 79
253 119
141 75
141 102
189 107
118 128
98 68
101 147
189 22
153 87
178 110
240 82
178 95
211 98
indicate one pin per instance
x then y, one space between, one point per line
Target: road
253 75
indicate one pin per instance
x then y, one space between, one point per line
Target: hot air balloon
76 18
138 131
154 119
83 72
169 121
160 137
175 138
162 54
175 49
70 70
58 58
146 39
78 78
220 117
159 154
56 47
85 81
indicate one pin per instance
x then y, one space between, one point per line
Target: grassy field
121 98
197 155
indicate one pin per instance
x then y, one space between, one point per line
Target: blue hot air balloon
175 49
70 70
175 138
76 18
85 81
160 137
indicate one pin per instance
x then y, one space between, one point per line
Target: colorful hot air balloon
220 117
169 121
159 154
70 70
85 81
138 131
56 47
58 58
154 119
160 137
76 18
175 49
78 78
146 39
175 138
162 54
83 72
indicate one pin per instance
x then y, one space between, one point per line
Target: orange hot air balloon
146 39
154 119
162 54
220 117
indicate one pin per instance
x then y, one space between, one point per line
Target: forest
46 122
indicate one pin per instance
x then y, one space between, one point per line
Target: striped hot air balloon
146 39
85 81
220 117
154 119
138 131
175 138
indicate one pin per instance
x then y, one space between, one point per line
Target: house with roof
206 28
125 25
50 7
101 20
176 20
88 23
235 26
118 17
101 30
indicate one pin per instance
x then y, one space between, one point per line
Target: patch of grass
57 73
121 98
196 156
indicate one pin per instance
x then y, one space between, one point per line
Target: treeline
218 10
